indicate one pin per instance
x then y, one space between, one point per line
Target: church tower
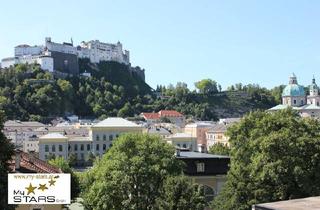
313 97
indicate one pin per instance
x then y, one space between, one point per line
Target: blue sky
247 41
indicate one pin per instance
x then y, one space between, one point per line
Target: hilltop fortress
64 57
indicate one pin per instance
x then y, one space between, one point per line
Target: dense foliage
133 175
6 151
28 93
220 149
274 156
180 193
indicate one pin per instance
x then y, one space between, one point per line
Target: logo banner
39 188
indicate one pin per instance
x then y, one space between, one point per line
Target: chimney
17 160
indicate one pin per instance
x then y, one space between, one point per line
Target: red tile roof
150 115
31 164
161 113
170 113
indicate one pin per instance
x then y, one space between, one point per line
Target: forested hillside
29 93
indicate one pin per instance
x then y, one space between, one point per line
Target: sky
247 41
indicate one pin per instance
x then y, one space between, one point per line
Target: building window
301 102
294 101
104 147
69 147
81 147
53 148
97 138
97 147
88 147
208 193
46 148
104 137
110 137
60 148
200 167
76 147
82 156
184 146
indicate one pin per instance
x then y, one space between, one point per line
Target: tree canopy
219 149
274 156
6 151
133 175
206 86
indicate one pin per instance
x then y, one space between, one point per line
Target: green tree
131 174
180 193
61 163
6 151
219 149
274 156
206 86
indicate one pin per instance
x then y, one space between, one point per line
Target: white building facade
98 51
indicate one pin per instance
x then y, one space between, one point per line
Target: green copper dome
293 90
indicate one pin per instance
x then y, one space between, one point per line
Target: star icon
30 189
42 187
51 182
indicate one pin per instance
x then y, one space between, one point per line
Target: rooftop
17 123
115 122
30 164
181 135
53 136
311 203
184 154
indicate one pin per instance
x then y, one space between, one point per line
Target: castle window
97 138
75 147
81 147
88 147
53 149
46 148
60 148
110 137
294 101
97 147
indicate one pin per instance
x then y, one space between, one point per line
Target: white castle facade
45 55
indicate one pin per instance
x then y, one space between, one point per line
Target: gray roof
160 131
220 127
116 122
184 154
16 123
311 203
53 136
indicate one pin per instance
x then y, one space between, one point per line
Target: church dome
293 89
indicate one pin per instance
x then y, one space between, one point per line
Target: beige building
105 132
217 134
100 139
183 140
198 130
